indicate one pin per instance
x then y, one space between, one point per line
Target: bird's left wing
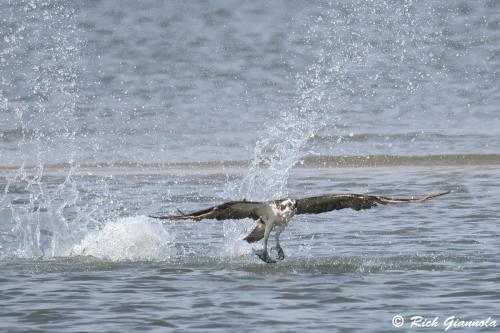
232 210
326 203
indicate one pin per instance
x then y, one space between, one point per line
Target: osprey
277 213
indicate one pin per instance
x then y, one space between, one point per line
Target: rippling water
113 111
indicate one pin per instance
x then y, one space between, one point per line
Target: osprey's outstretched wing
232 210
326 203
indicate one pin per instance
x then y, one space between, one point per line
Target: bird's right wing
326 203
232 210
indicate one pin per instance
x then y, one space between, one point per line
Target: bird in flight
276 214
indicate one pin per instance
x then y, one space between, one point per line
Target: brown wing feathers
225 211
312 205
326 203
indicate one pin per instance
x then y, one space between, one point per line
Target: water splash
39 108
130 238
280 147
345 39
234 246
39 97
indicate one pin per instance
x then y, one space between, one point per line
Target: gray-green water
112 111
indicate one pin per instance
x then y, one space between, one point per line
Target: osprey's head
287 206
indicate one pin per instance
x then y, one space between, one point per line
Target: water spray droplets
41 88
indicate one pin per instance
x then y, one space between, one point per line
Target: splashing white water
280 147
335 82
234 246
38 210
130 238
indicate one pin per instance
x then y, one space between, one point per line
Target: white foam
130 238
234 231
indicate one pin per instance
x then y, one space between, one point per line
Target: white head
286 208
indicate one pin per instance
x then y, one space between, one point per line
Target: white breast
281 217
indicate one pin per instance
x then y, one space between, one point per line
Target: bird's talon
281 253
264 256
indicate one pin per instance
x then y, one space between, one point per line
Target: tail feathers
257 233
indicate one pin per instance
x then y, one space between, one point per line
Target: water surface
115 110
